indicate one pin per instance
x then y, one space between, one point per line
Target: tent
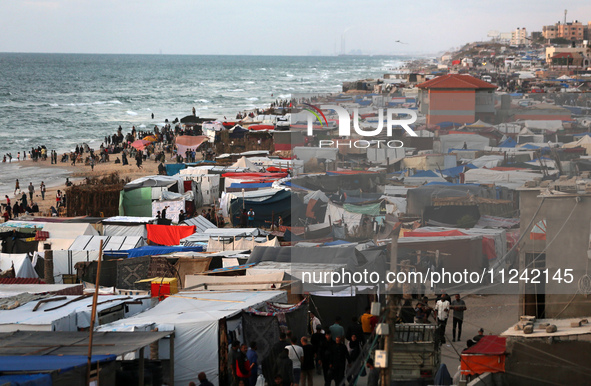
486 356
200 321
457 141
151 250
244 163
21 263
188 142
584 142
69 314
127 226
283 203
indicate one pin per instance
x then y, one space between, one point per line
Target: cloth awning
486 356
186 142
168 234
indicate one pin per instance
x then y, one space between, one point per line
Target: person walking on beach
58 198
17 187
92 163
42 190
31 190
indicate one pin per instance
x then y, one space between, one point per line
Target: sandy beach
77 175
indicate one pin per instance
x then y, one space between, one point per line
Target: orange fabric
478 364
168 234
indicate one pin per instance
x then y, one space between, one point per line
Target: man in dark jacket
340 357
284 368
243 366
325 354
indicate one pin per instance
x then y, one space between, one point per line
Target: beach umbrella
150 138
140 144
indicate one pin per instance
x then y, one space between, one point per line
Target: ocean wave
249 82
236 90
142 126
263 69
129 112
284 96
252 99
54 105
289 75
201 101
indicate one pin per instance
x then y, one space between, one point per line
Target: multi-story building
457 98
571 31
549 31
519 37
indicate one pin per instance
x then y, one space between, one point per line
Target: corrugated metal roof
201 223
110 243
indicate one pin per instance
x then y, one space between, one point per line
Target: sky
265 27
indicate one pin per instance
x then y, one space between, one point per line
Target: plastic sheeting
187 142
336 213
244 244
69 317
195 317
168 234
22 264
172 212
136 202
457 141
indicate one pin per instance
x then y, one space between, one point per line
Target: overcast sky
265 27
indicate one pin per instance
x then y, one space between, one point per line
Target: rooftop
457 81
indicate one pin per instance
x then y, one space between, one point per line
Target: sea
61 100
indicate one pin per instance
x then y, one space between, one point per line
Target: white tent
69 317
243 162
195 318
583 142
457 141
22 264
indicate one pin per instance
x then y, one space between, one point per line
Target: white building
518 37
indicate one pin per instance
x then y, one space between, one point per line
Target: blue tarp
49 362
336 242
447 124
529 146
582 134
448 184
455 171
509 142
237 185
151 250
172 169
26 380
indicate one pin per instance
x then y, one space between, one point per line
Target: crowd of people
329 351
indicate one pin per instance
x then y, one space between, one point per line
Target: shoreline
76 174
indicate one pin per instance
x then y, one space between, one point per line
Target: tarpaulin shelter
168 234
200 321
53 370
457 141
188 142
21 263
283 203
420 198
68 314
151 250
127 226
486 356
584 142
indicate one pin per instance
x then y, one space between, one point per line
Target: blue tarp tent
509 142
150 250
455 171
26 380
42 363
447 124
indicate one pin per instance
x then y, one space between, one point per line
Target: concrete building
555 222
519 37
552 51
457 98
570 31
549 31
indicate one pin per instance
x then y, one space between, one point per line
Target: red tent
486 356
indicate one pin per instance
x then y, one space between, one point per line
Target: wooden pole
93 315
141 380
171 356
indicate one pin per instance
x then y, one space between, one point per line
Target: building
553 51
570 31
549 31
457 98
556 227
519 37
